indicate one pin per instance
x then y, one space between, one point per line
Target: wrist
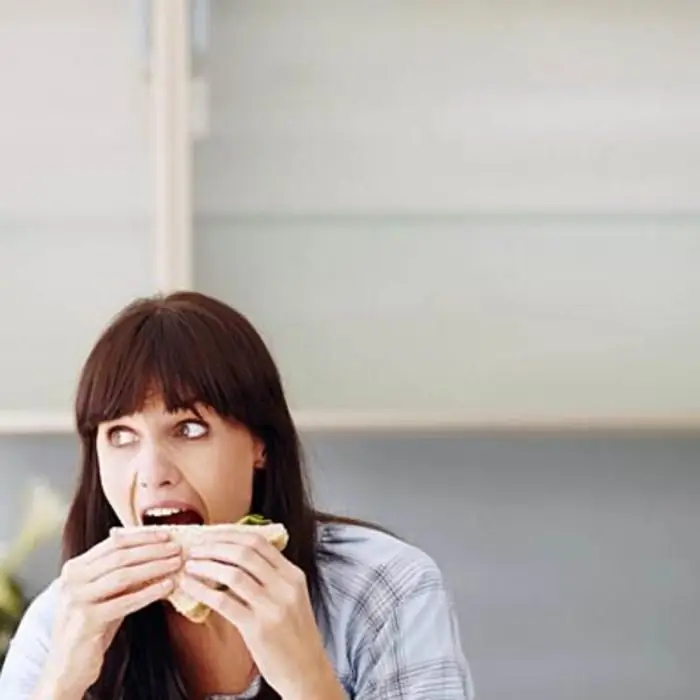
57 684
322 684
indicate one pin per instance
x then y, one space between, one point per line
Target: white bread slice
188 536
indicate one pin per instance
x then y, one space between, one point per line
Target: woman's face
186 467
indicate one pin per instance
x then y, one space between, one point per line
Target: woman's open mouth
171 515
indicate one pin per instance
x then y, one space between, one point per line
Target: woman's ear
260 455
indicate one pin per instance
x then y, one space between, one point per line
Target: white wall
453 105
479 212
495 202
74 189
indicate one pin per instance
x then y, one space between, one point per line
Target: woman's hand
122 574
268 602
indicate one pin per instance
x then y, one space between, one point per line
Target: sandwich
190 535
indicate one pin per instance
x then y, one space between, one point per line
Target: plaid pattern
390 627
388 624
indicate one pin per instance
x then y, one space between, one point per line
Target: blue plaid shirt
389 627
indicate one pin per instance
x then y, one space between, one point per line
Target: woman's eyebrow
187 410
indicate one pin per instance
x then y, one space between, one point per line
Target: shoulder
38 619
357 561
368 576
389 625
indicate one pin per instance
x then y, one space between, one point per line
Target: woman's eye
193 429
118 437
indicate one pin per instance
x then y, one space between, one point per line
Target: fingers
128 537
122 574
249 540
238 581
123 539
233 555
247 575
124 563
124 605
120 559
235 611
127 579
251 552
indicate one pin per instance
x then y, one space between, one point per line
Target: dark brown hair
190 348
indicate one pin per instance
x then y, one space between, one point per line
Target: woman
180 405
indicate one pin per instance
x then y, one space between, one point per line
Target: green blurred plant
43 517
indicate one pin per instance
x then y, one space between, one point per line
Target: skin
265 619
153 456
96 591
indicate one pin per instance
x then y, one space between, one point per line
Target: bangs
182 358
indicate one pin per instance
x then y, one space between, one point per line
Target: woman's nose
156 469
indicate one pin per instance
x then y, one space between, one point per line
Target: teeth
163 512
